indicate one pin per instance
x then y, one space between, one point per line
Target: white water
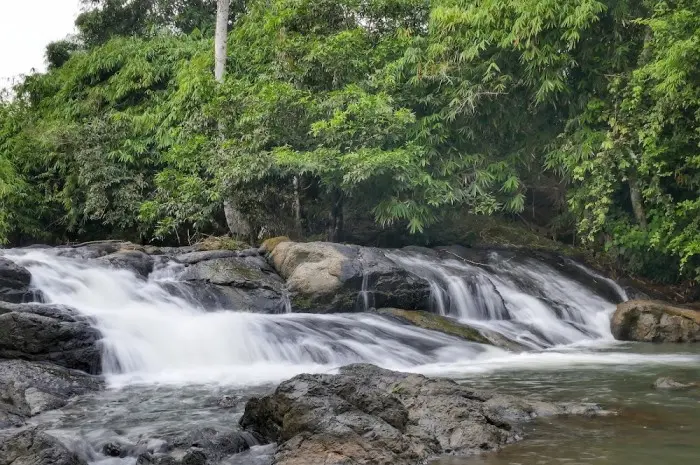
151 336
530 302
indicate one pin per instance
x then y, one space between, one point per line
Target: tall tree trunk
237 223
220 39
297 207
637 202
335 233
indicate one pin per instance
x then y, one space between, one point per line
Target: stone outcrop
669 384
51 333
14 282
30 388
31 446
368 415
325 277
134 260
654 321
235 280
450 327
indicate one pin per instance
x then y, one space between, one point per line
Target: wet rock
14 282
134 260
96 249
369 415
671 384
112 449
192 258
53 333
228 402
30 388
217 444
435 323
34 447
325 277
245 283
654 321
194 457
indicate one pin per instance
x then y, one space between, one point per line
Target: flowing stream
167 359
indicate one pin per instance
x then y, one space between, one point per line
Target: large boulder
368 415
30 388
134 260
325 277
654 321
234 280
14 282
52 333
34 447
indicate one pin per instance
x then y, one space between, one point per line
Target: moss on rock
436 323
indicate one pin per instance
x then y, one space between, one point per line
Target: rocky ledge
654 321
368 415
324 277
30 388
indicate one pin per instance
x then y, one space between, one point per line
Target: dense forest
580 118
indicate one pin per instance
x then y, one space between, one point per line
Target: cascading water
152 335
528 302
154 330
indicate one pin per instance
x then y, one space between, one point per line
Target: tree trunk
297 208
236 222
335 233
220 39
637 202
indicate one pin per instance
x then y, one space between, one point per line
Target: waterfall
155 331
526 301
150 334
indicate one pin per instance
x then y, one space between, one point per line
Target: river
169 363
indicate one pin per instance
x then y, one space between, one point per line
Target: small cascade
286 301
527 302
365 298
152 334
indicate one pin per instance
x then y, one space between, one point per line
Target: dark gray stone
30 388
34 447
52 333
369 415
234 282
133 260
14 283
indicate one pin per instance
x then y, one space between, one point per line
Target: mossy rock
221 243
269 244
436 323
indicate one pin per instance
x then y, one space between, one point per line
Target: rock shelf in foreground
372 416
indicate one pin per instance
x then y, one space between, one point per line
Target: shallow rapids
153 336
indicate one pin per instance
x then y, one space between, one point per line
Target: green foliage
402 111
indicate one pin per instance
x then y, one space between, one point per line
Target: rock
14 282
96 249
228 402
654 321
671 384
112 449
34 447
269 244
30 388
245 283
134 260
436 323
324 277
368 415
192 258
194 457
52 333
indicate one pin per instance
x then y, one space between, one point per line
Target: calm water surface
650 427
